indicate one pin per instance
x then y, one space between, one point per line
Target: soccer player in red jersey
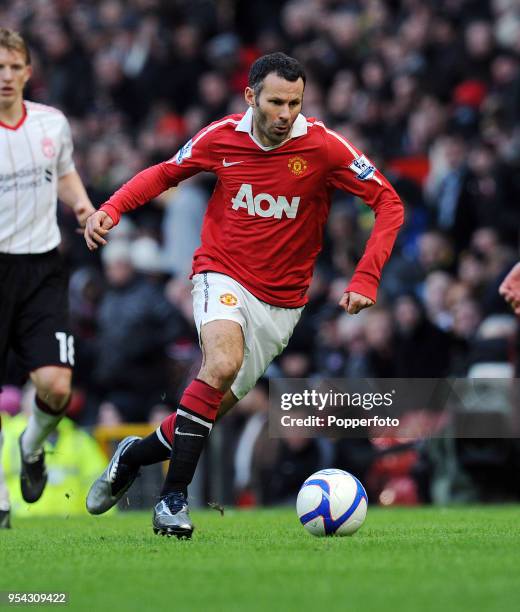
261 235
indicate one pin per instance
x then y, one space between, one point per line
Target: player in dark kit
261 235
36 168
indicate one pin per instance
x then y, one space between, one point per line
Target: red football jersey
265 219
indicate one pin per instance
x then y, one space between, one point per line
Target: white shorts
266 328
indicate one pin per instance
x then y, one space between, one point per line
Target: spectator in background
449 195
434 252
135 324
380 338
422 350
436 287
352 332
467 316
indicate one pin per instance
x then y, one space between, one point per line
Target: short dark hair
282 65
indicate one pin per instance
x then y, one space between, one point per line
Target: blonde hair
11 40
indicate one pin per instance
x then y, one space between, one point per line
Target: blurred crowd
429 90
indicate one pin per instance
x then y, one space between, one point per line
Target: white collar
245 124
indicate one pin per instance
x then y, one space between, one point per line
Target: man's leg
4 493
53 385
134 452
223 352
152 448
223 349
157 446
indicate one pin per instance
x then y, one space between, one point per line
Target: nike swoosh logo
181 433
227 164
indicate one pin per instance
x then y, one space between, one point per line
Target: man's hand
353 302
83 210
72 193
510 288
98 225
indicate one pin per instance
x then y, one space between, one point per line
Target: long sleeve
352 172
192 158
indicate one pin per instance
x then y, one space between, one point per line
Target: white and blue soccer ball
332 502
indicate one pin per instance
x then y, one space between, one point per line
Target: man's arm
72 193
70 187
192 158
352 172
144 187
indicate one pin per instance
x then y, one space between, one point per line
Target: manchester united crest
228 299
297 165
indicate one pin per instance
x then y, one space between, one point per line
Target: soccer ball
332 502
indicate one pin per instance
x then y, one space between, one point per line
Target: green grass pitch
417 560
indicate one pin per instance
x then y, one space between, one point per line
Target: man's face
275 109
14 74
119 272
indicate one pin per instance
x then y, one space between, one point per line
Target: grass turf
416 560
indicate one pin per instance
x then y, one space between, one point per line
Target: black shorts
34 313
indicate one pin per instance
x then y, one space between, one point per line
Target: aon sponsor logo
264 204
